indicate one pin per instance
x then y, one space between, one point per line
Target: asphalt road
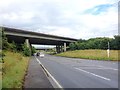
80 73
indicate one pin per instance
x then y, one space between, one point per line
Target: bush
72 46
26 50
33 50
12 46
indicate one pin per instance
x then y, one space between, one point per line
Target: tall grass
14 69
91 54
0 74
0 69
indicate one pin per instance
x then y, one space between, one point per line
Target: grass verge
0 75
0 69
91 54
14 70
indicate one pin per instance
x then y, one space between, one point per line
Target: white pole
108 53
108 50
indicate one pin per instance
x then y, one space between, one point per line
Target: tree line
96 43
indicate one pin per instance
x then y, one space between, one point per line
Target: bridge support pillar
64 47
58 48
28 44
61 48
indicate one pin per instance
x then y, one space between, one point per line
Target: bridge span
20 36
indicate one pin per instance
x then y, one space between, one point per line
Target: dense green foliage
26 50
33 50
14 47
5 44
97 43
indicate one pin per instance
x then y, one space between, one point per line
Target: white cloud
62 31
61 17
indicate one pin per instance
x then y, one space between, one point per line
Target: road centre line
108 67
59 86
96 67
101 68
93 74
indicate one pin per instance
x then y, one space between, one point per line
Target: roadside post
108 50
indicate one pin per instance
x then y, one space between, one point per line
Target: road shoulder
35 77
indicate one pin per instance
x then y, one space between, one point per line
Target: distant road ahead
80 73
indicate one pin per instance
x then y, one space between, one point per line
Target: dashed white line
101 68
93 74
108 67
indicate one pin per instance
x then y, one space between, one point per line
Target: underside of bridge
20 36
20 40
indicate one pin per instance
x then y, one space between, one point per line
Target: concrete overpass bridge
20 36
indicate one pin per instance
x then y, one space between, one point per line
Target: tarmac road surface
81 73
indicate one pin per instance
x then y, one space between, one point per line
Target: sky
80 19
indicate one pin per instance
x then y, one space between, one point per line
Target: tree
5 44
12 46
115 43
33 50
72 46
96 43
26 50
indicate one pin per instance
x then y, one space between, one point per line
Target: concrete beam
37 36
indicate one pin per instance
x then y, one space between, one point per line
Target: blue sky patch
98 9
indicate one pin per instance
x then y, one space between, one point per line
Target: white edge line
93 74
49 74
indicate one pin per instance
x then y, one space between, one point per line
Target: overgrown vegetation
26 50
14 47
94 48
15 61
91 54
33 50
14 69
96 43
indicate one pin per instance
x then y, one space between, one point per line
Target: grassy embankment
0 69
91 54
14 70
